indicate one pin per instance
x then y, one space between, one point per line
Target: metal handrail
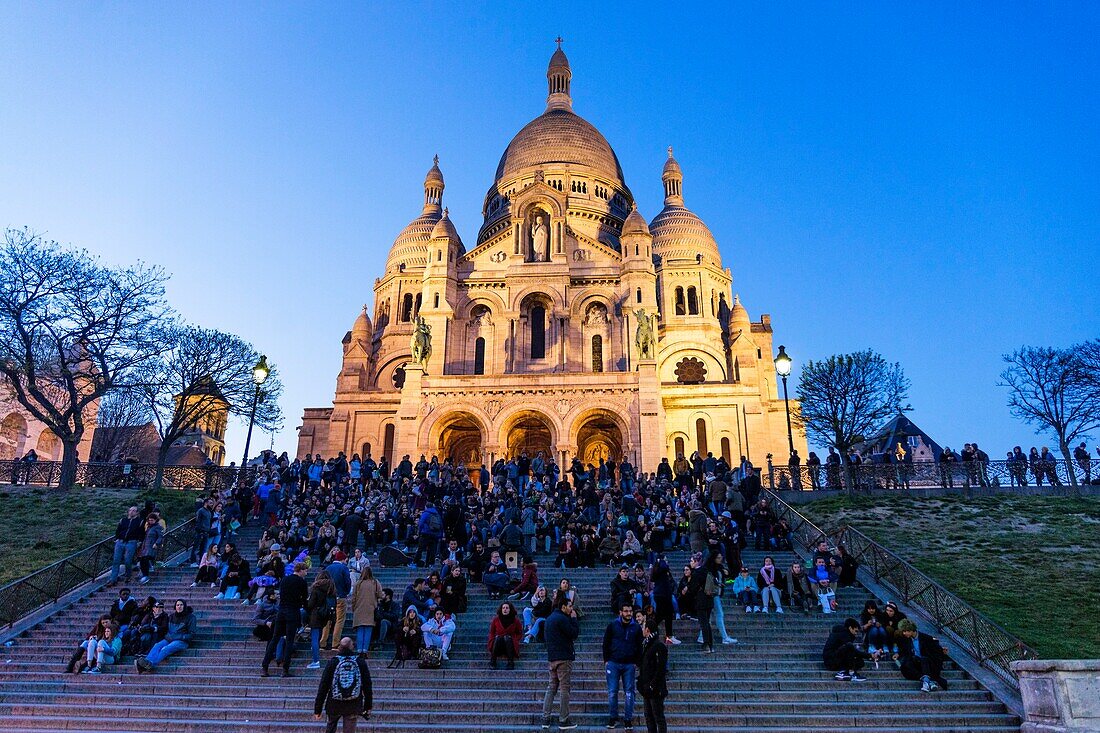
53 582
986 641
135 475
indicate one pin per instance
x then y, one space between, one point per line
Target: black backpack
347 681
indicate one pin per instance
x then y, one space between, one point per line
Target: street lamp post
783 369
259 376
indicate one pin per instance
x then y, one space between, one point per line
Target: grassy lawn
39 526
1030 563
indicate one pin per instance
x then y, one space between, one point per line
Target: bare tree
1056 390
847 396
71 329
200 378
120 411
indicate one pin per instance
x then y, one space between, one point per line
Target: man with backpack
345 690
429 529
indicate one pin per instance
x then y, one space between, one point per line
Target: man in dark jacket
560 631
293 594
622 645
122 611
416 595
429 529
920 656
841 655
345 690
652 677
128 535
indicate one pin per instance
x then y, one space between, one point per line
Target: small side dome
444 229
435 176
635 223
739 317
362 326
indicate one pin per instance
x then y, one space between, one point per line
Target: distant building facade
901 430
571 327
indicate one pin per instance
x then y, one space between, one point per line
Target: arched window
597 353
479 355
693 302
437 300
701 436
387 444
680 308
726 454
679 443
416 310
439 255
407 308
366 451
736 370
638 295
538 332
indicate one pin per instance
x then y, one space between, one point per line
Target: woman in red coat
505 635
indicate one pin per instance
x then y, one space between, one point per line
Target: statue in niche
596 315
540 239
643 336
421 344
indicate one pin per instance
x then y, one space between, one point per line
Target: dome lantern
433 188
673 179
558 76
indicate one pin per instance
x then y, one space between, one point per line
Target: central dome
559 136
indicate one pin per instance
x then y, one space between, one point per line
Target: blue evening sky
921 180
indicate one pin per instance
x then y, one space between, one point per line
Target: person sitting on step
536 614
771 580
103 651
920 656
235 578
610 548
566 589
453 598
800 590
632 550
840 653
408 638
824 584
746 591
439 631
528 582
875 636
263 621
182 625
495 577
132 635
505 633
891 617
417 596
209 567
643 587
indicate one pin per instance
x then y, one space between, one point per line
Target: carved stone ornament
492 408
498 256
581 255
426 408
563 406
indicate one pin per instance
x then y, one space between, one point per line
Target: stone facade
1060 695
20 432
539 332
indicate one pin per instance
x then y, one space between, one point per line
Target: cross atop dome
557 76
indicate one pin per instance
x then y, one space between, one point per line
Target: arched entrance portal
461 440
530 433
600 438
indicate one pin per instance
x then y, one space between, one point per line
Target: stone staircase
772 680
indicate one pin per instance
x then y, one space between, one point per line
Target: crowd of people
895 469
490 527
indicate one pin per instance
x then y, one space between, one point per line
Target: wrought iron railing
927 475
53 582
139 475
989 644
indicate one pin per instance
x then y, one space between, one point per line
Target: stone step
380 724
489 717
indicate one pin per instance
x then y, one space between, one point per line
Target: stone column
408 414
651 416
1059 695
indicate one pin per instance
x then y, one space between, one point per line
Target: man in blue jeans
622 646
128 535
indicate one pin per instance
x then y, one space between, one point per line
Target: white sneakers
673 640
